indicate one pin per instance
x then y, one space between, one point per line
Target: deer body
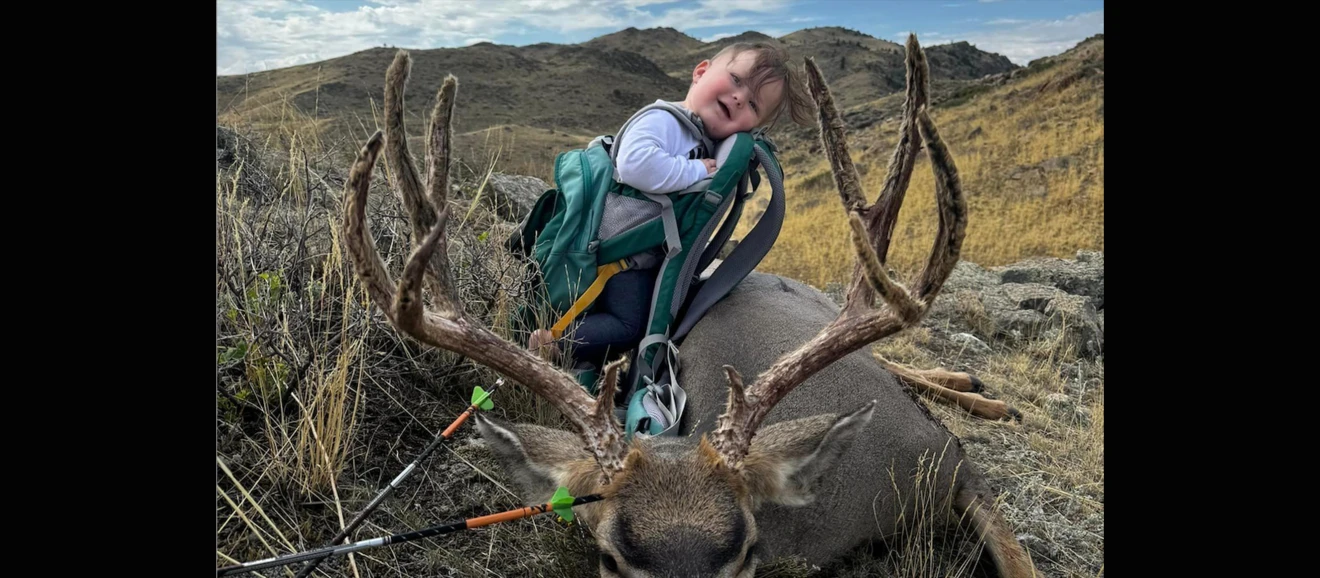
681 517
815 455
767 316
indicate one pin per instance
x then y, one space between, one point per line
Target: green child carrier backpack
591 226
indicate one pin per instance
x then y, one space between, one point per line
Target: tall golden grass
1008 131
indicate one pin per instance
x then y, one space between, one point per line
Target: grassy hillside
593 86
1030 154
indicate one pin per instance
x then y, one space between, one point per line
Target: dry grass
1012 131
933 544
522 150
320 403
1048 469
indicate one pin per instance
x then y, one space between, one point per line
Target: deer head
672 506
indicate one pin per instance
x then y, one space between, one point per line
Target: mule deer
729 492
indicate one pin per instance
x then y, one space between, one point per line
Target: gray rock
968 275
513 196
1078 318
1093 257
1084 276
1029 295
970 341
1024 311
837 292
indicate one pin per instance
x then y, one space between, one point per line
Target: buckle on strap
711 200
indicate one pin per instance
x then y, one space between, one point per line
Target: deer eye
608 562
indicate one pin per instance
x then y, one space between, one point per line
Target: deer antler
450 329
858 323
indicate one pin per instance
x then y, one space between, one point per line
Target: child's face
720 96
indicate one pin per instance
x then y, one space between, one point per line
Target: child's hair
774 63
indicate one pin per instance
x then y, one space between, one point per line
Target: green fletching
562 504
481 398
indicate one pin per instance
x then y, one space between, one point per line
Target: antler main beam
449 328
858 323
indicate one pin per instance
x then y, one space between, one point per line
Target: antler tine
952 211
605 397
836 144
731 435
408 185
881 216
444 293
858 324
409 311
404 307
361 248
441 141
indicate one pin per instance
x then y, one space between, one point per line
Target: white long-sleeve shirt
658 155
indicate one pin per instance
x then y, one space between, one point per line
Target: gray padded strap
745 257
644 369
685 117
673 243
665 400
652 340
726 230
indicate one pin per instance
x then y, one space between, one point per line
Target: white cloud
716 37
271 31
717 13
1032 39
262 34
256 35
726 6
1022 41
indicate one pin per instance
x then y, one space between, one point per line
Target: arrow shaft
323 553
371 507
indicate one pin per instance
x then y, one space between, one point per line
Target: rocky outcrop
1038 298
513 196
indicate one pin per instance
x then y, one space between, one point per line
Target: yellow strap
603 274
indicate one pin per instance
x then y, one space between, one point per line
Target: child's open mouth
725 109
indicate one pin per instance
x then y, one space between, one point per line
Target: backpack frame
591 226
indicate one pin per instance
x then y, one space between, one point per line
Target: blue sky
253 35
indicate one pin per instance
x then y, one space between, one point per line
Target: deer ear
539 459
788 459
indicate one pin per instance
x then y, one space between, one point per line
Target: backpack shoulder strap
745 257
694 126
685 117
